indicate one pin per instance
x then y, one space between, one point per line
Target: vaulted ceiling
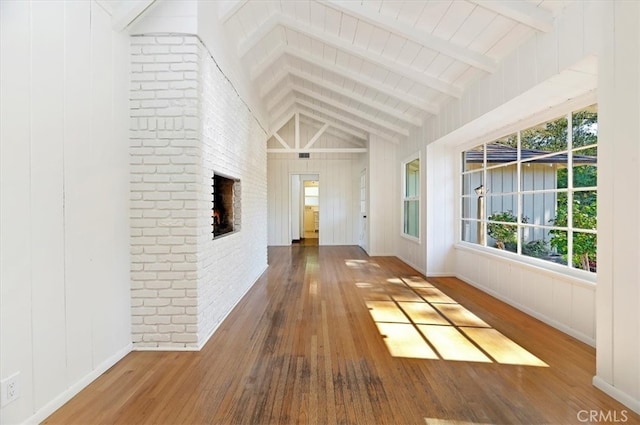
374 66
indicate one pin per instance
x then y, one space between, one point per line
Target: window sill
581 277
411 238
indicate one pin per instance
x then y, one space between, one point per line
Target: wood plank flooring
319 340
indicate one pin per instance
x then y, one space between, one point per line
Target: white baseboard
549 321
215 328
412 265
167 348
46 410
615 393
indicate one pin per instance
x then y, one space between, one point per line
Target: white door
362 240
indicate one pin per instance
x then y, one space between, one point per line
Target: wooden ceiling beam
343 45
350 110
388 23
525 13
355 96
341 118
348 74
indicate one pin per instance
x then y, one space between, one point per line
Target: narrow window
411 198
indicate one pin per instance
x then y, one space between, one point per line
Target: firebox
226 205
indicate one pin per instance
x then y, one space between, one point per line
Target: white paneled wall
339 187
564 302
64 279
548 70
441 194
618 294
339 195
385 203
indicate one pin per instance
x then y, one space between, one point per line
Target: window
534 192
225 212
411 198
311 195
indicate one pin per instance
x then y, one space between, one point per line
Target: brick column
165 172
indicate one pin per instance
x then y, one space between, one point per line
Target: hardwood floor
318 339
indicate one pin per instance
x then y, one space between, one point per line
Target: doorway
311 222
362 237
305 209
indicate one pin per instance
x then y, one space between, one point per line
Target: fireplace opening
226 205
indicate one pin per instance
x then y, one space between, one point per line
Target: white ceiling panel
505 45
423 59
287 7
302 10
374 66
348 25
331 19
438 66
329 53
432 14
477 21
396 45
493 32
411 10
391 8
457 13
378 41
363 34
408 52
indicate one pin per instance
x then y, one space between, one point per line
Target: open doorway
311 222
305 209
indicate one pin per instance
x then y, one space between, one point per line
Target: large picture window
411 198
534 192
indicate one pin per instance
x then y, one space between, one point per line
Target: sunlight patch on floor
434 295
417 320
386 311
358 264
423 313
459 315
501 348
416 282
451 344
403 340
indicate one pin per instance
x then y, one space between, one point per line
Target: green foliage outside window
505 235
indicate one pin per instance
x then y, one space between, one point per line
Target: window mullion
483 204
520 229
570 190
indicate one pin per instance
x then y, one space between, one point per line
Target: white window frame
418 198
567 111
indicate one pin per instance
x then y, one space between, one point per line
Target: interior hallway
330 335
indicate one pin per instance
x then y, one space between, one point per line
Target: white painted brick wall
234 144
187 121
165 155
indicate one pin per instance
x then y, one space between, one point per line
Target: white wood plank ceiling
374 66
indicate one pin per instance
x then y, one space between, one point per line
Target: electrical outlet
10 389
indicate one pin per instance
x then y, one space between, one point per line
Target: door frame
299 205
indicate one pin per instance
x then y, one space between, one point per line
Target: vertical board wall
339 192
64 199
